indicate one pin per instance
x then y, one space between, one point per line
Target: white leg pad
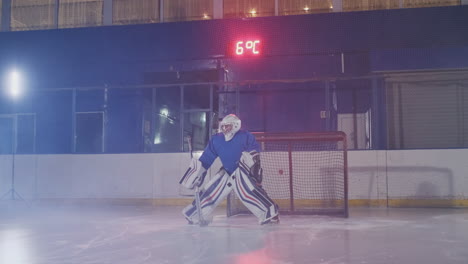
254 197
213 194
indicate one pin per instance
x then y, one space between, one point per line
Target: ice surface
144 234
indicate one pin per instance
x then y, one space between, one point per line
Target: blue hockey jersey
228 151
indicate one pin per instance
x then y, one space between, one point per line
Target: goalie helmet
229 126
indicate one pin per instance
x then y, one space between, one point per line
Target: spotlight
14 84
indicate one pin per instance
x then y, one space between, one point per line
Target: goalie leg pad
216 190
254 197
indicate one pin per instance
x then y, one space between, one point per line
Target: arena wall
393 178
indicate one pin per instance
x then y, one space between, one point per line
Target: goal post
304 173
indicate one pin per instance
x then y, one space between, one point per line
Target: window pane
124 120
196 125
354 5
291 107
135 12
294 7
351 109
295 109
167 127
26 129
80 13
54 127
6 135
90 100
89 132
228 100
181 10
252 111
147 116
249 8
197 97
32 14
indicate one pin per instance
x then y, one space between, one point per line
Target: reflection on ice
14 246
148 235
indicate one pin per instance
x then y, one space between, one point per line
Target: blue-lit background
143 88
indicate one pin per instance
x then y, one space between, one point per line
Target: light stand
14 90
12 192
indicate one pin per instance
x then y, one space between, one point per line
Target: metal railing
15 15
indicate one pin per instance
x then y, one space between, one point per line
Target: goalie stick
201 220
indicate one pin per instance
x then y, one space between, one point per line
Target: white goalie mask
229 126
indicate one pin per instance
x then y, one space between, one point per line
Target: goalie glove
194 176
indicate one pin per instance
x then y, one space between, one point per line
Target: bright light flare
306 9
260 256
157 139
14 84
14 246
164 112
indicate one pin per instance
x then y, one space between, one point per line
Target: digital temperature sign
247 48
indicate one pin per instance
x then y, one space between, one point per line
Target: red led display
247 47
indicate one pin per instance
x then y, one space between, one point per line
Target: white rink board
428 174
412 174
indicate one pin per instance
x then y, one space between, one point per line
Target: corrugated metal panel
464 100
427 114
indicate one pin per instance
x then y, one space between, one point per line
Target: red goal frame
234 206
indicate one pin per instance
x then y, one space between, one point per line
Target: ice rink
66 234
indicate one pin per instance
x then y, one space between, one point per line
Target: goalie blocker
194 176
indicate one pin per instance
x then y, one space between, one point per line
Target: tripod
12 193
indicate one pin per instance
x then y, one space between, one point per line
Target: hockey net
304 173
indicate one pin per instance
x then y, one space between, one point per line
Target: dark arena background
369 100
